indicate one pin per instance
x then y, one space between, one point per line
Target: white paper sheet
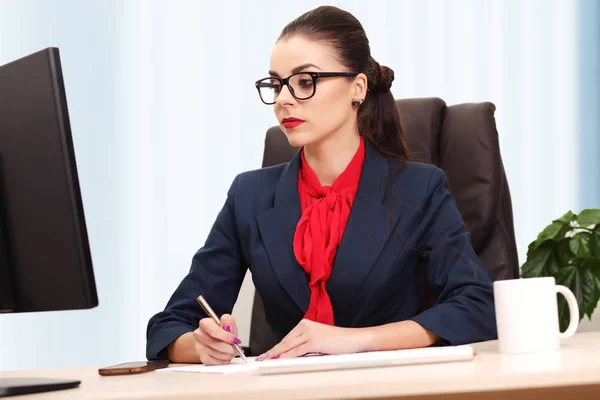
327 362
235 366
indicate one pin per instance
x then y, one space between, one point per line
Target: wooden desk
573 371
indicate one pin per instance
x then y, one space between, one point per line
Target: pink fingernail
275 357
261 357
236 341
227 328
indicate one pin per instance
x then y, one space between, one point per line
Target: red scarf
324 214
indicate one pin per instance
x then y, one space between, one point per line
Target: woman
342 239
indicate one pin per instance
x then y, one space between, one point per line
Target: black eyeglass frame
315 77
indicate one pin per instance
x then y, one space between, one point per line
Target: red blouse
324 214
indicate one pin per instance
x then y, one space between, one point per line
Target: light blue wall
589 103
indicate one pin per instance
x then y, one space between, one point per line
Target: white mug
527 314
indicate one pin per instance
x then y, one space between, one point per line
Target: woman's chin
299 139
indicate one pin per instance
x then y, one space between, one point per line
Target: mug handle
573 311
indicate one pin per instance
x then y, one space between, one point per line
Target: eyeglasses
302 85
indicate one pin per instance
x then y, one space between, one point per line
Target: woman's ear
359 87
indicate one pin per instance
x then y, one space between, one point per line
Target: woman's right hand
213 342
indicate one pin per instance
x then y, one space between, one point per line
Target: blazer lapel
277 227
368 229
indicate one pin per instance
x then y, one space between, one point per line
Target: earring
356 103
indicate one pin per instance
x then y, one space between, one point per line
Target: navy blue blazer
397 236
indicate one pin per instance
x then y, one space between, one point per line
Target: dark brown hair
378 116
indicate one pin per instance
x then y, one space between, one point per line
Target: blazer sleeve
464 302
217 272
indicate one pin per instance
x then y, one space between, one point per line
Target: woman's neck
330 157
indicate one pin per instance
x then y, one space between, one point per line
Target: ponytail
379 119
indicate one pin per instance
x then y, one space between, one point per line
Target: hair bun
386 75
382 77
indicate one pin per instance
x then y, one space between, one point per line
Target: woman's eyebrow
295 70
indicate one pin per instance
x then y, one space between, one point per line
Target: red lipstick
291 122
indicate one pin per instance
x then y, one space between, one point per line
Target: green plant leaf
587 217
594 267
566 218
590 311
580 245
531 247
555 231
582 283
564 315
564 277
540 262
595 243
564 253
590 293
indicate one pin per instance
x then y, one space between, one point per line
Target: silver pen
209 311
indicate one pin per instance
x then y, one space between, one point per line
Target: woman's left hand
313 337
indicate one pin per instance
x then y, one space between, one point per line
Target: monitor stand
18 386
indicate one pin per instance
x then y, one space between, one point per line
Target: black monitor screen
45 261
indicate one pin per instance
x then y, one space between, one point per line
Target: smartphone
133 367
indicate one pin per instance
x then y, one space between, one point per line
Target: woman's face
329 113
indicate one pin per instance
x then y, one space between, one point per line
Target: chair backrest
462 140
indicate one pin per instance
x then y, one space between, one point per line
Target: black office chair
444 136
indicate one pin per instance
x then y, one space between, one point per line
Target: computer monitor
45 261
